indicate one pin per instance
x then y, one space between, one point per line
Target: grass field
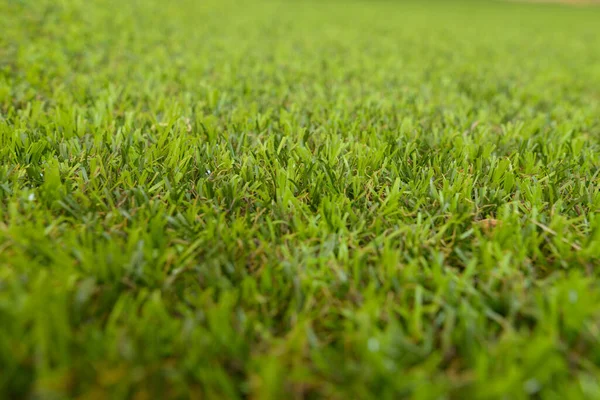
299 199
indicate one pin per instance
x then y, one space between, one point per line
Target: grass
301 199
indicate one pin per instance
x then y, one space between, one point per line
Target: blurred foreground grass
303 199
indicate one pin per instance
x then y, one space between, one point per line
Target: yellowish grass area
570 2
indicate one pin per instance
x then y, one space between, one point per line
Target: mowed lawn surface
299 199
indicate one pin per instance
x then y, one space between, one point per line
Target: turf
299 199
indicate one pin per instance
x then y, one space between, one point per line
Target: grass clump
304 199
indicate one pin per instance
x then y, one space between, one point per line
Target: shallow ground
309 199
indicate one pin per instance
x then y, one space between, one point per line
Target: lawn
274 199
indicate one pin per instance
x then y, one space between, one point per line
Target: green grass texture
299 199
